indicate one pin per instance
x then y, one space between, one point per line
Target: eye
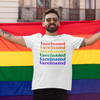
48 19
55 19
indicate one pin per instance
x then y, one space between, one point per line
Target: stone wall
65 14
97 9
82 14
27 14
82 11
97 14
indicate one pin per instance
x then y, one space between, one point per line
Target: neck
51 34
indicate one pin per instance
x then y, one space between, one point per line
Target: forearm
6 35
93 39
14 39
88 42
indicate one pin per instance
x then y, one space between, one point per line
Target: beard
51 29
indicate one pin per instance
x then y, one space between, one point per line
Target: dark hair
50 11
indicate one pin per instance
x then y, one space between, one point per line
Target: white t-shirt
52 57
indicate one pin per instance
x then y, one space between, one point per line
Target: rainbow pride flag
16 65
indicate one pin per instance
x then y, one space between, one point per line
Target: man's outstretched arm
91 40
14 39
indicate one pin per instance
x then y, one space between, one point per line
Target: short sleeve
76 41
30 40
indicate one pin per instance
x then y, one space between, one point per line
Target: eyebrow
50 17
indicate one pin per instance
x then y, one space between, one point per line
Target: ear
43 24
59 23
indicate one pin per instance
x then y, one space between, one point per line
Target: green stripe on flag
86 71
16 73
24 73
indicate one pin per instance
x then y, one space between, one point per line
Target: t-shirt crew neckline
49 36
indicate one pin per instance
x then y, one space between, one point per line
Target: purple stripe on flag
95 96
70 97
16 98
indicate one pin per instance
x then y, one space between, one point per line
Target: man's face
51 22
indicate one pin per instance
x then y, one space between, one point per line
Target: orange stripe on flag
94 46
7 46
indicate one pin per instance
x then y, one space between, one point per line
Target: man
52 56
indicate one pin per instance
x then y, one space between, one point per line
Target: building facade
32 10
9 11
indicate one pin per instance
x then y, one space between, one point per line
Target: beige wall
60 3
82 4
21 3
97 4
33 3
53 3
27 2
8 11
66 3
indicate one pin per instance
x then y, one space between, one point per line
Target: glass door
42 5
90 9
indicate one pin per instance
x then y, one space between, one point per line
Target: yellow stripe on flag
86 57
24 58
19 58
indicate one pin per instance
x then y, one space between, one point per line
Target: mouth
52 25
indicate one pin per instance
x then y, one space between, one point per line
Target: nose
52 21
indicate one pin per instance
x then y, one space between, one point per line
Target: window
87 4
90 4
47 3
74 4
40 3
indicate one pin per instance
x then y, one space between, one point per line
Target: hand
99 35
